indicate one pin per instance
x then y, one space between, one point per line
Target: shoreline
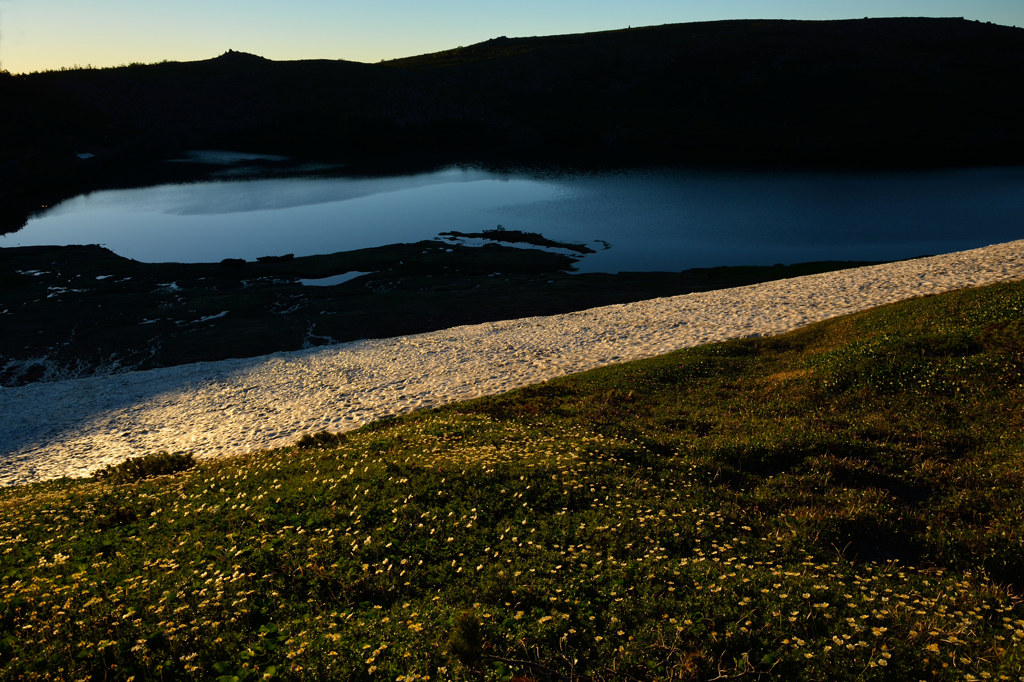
170 314
71 428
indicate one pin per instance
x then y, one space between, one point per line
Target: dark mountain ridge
869 92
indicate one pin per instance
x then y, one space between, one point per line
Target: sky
48 34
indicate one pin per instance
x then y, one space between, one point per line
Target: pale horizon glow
37 35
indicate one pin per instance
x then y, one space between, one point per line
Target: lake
636 220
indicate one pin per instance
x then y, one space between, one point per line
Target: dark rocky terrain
82 310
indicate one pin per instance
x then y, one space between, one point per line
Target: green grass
842 503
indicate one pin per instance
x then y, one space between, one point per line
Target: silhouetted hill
882 90
876 92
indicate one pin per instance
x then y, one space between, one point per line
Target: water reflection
217 157
653 219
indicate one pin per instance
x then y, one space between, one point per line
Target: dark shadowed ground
78 310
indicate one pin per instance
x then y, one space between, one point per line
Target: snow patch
333 280
201 319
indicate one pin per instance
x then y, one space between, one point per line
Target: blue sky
46 34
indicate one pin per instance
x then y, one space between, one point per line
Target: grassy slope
832 503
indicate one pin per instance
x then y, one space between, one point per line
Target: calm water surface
652 220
